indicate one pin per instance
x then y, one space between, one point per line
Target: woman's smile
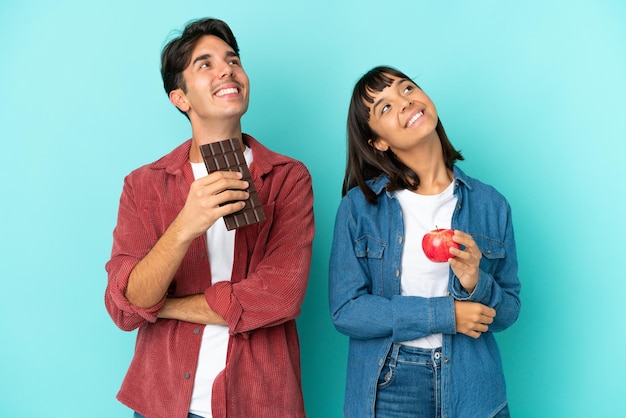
417 114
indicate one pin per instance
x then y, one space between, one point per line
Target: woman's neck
428 164
434 179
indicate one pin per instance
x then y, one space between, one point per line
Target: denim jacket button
399 240
397 273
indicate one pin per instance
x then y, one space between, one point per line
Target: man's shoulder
175 157
170 162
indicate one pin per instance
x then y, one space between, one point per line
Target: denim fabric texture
366 305
409 384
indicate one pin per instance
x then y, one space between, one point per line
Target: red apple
436 245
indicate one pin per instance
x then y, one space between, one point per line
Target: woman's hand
465 262
472 318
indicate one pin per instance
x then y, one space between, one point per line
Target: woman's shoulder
354 197
376 185
479 188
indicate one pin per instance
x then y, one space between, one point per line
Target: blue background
532 92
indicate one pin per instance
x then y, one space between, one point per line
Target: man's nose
225 70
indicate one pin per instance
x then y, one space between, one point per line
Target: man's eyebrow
201 58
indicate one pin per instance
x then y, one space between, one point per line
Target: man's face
217 86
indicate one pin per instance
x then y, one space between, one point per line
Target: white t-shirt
420 276
212 356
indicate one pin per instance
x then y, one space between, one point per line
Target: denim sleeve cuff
415 317
442 315
481 292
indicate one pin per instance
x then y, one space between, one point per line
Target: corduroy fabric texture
262 377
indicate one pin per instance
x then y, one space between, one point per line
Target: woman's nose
406 104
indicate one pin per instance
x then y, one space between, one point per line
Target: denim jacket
366 305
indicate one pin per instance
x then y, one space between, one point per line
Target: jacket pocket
156 217
257 235
369 247
492 251
370 252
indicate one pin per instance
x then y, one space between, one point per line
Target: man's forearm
192 308
149 280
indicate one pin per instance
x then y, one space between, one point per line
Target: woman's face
403 117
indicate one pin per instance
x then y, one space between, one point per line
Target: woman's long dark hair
364 161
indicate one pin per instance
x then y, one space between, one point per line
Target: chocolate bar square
227 155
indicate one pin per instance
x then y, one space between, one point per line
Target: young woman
421 332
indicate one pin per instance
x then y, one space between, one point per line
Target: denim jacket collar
379 184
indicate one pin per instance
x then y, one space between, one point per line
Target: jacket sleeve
275 284
499 286
356 310
131 242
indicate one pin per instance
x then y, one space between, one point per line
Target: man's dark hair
176 54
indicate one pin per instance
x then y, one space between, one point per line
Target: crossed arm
150 278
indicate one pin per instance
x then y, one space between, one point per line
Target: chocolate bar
227 155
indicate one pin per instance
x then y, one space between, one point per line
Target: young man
215 309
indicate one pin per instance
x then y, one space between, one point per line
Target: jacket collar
379 183
177 161
461 177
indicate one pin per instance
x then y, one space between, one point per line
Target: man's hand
472 318
206 194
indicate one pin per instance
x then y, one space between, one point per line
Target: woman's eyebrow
377 104
397 82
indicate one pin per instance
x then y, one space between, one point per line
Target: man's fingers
229 196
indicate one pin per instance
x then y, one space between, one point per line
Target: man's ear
179 99
379 144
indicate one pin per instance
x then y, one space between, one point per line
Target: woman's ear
378 144
178 99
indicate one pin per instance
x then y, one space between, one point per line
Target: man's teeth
414 118
223 92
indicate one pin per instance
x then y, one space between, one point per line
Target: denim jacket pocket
492 250
370 252
369 247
